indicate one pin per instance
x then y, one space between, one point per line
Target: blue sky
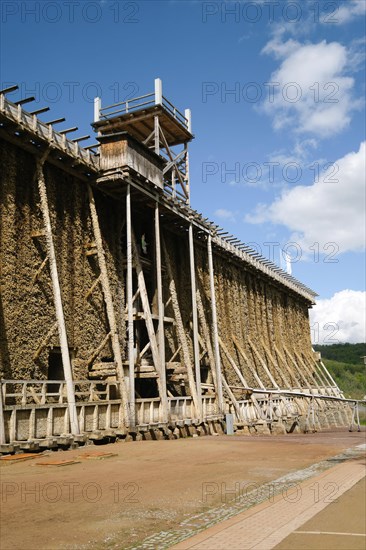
276 91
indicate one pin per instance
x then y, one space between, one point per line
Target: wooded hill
345 363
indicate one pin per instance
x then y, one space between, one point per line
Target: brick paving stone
264 526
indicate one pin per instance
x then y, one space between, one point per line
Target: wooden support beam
248 362
339 392
187 177
2 419
137 293
156 135
161 331
195 319
233 364
97 351
215 332
40 269
93 286
265 368
129 290
150 327
320 373
66 363
109 304
276 367
172 159
175 354
182 337
207 339
292 373
296 366
45 341
308 370
311 376
146 305
239 374
232 398
144 350
321 405
37 400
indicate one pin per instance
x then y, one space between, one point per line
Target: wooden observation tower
147 138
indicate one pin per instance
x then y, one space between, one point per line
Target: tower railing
141 102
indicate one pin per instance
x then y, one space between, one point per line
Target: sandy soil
146 487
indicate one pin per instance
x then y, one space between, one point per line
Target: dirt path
146 487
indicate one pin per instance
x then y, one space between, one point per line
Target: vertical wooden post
188 116
161 334
108 302
2 420
196 351
214 327
156 135
158 91
74 424
97 108
129 284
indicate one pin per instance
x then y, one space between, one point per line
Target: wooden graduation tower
157 320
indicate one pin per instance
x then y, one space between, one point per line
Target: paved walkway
281 519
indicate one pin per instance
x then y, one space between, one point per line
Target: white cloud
339 319
280 49
224 214
346 12
331 210
311 91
